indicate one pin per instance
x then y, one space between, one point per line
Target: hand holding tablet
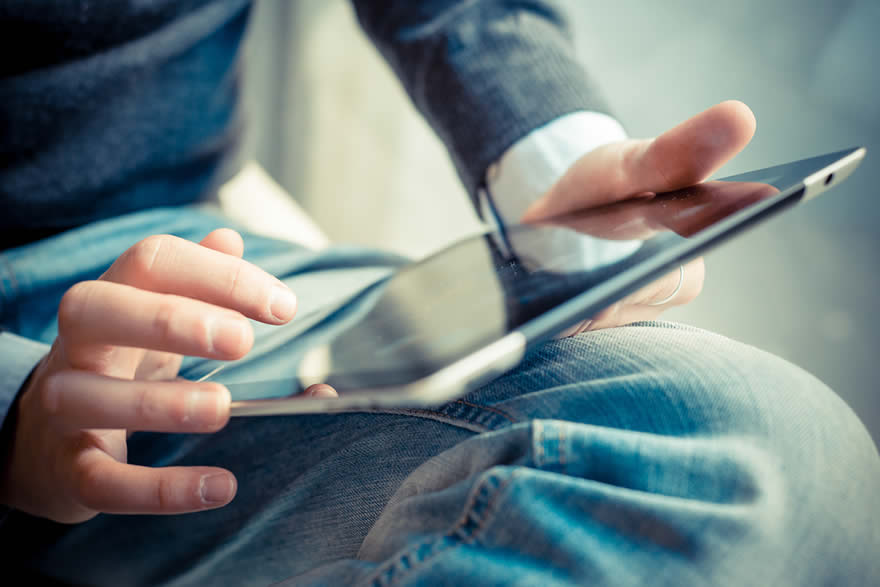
447 324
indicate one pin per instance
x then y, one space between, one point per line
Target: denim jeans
653 454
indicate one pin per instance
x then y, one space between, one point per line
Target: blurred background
332 125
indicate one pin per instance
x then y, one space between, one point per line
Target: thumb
682 156
224 240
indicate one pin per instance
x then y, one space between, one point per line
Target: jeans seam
434 415
475 417
562 456
539 458
501 413
457 536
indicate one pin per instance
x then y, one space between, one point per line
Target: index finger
172 265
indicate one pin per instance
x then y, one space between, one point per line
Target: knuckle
86 481
160 361
147 407
73 304
165 493
244 290
164 320
158 365
247 289
154 409
235 280
202 335
164 362
101 360
175 324
141 258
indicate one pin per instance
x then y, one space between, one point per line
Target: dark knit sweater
111 106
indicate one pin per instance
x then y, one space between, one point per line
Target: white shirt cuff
531 166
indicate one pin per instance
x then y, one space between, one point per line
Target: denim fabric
650 454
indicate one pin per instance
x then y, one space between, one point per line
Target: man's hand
682 156
111 371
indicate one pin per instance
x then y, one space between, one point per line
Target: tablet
437 328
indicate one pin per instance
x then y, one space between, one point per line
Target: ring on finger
674 293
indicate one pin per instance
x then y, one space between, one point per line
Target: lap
649 454
613 457
652 452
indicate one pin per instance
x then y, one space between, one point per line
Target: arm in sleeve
484 73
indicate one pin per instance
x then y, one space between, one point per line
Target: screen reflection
453 303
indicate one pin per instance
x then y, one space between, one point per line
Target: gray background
331 124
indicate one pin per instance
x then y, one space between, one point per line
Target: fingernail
216 488
321 391
228 335
203 408
282 303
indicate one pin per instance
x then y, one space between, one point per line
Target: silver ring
675 291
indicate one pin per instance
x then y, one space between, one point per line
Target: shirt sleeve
531 166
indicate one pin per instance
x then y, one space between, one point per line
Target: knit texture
484 73
126 108
112 106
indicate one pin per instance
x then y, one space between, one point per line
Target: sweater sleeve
484 73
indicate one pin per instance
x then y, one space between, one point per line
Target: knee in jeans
825 458
813 466
683 380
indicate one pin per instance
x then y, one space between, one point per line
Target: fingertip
691 151
234 480
282 303
231 337
217 489
224 240
740 109
742 120
321 391
218 417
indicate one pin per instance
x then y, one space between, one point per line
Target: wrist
534 164
530 168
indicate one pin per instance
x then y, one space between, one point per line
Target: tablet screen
431 313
